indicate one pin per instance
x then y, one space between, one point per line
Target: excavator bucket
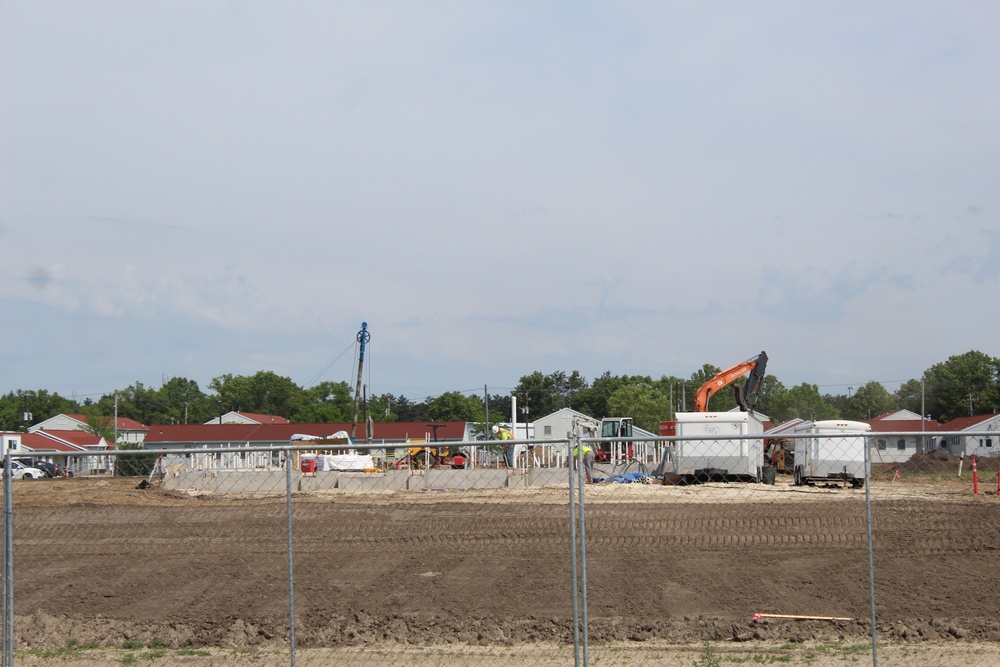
748 395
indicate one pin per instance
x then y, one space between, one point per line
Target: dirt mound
938 461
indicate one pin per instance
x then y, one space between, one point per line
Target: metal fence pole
574 443
578 515
291 570
871 548
580 478
8 562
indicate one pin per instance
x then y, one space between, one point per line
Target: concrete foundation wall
274 481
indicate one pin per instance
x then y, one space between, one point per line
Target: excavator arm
755 367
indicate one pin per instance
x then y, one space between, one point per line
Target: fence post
573 442
580 621
8 562
291 570
871 549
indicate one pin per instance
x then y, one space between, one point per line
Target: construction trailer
838 456
727 458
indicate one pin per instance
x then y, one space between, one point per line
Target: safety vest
504 434
586 448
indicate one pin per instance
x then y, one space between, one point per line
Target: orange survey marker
975 477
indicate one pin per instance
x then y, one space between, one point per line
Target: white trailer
731 457
838 457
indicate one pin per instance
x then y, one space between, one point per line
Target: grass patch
708 658
153 654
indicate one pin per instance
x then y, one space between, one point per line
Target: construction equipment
608 450
780 453
427 453
423 457
746 397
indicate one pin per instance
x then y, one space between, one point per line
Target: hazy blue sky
198 188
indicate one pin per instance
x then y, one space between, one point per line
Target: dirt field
101 563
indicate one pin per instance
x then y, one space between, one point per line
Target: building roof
63 441
124 423
905 425
966 423
236 417
161 434
896 415
265 419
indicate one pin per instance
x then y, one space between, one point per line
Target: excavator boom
755 367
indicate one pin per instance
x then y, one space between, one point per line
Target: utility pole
362 338
923 419
25 415
486 402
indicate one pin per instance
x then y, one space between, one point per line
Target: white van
837 457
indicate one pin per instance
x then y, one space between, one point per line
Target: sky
190 189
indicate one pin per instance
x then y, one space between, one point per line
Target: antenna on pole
363 337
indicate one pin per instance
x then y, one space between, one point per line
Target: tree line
965 384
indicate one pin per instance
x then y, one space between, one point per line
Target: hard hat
496 429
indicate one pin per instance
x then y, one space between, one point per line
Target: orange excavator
746 397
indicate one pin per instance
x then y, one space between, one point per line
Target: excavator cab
614 427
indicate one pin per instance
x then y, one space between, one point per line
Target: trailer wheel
857 483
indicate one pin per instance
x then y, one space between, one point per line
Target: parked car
20 471
50 469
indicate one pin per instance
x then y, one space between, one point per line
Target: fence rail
696 549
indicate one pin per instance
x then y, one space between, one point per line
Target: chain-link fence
713 546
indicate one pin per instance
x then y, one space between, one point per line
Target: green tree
103 426
455 406
566 388
183 402
535 393
770 393
328 402
264 392
593 400
645 403
672 388
965 384
39 403
803 401
133 465
870 400
500 407
910 396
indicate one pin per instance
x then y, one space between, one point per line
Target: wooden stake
757 617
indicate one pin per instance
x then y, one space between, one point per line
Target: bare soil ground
101 563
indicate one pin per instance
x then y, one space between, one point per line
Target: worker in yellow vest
588 460
508 450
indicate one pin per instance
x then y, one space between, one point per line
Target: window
901 444
989 442
547 429
881 444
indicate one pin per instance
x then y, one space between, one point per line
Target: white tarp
341 461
